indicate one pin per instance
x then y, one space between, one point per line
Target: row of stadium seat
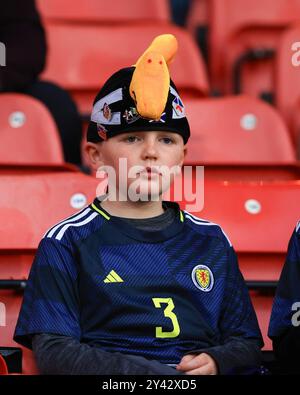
248 32
29 204
258 216
82 57
251 46
226 133
243 31
250 49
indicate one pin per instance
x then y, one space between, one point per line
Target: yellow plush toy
150 82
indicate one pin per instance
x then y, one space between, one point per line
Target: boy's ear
185 150
94 154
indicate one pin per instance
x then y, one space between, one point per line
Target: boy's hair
114 111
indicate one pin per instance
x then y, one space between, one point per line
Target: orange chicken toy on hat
150 82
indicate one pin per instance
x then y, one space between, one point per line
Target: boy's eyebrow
157 132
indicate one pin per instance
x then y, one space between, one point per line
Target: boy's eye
131 139
167 140
134 139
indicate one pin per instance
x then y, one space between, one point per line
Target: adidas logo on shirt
113 277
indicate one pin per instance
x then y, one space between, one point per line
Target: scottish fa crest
203 278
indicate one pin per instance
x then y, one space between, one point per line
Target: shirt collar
143 235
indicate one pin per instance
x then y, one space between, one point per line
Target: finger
184 362
193 363
187 358
207 369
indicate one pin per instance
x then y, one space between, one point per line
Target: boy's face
160 151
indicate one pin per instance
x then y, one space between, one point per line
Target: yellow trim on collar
100 212
108 218
181 216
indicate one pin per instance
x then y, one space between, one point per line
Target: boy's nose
149 150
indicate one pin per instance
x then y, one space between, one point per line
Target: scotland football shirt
158 294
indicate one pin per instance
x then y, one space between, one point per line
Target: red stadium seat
28 133
287 81
29 205
12 298
262 302
244 35
258 218
241 132
103 12
81 58
3 367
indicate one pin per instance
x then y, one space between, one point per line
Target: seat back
237 130
257 216
262 303
99 11
28 133
287 81
29 204
240 26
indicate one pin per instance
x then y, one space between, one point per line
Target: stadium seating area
249 148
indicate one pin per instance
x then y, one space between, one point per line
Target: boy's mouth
150 172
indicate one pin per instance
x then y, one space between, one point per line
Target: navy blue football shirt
157 294
288 290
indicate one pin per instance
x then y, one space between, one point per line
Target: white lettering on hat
97 113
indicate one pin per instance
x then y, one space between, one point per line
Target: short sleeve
288 289
51 302
238 317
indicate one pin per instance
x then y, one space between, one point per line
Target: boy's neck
129 209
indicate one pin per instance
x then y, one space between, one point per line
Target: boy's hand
199 364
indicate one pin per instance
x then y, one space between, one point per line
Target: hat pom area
150 82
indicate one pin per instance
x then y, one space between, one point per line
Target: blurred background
238 73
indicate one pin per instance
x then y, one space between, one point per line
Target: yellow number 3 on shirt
167 313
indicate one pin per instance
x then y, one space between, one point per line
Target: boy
136 285
284 328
